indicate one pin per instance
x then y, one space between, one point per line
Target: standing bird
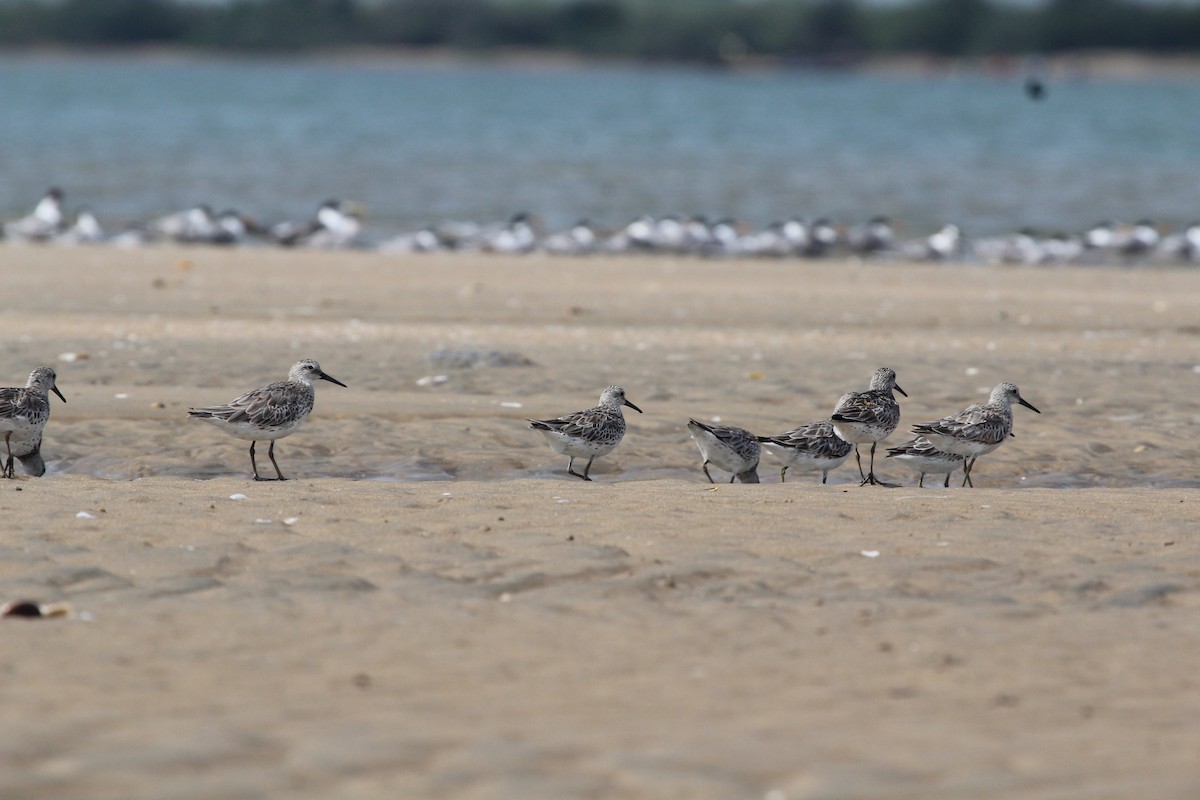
272 412
920 454
977 429
592 432
812 446
869 416
732 449
23 415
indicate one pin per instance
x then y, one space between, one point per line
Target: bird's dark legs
967 465
824 476
271 455
704 467
571 468
870 476
782 473
8 465
946 485
921 481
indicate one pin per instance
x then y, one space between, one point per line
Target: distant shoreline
1089 64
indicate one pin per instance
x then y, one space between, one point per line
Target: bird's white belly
792 457
720 455
252 432
927 464
19 427
577 447
959 446
859 432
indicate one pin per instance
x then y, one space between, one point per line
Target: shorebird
977 429
579 239
85 230
946 243
45 221
1140 239
812 446
823 237
337 223
773 241
734 450
518 235
272 412
23 415
920 454
195 225
877 235
1101 236
869 416
592 432
233 227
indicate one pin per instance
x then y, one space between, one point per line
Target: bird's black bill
631 405
57 392
1027 404
898 389
332 379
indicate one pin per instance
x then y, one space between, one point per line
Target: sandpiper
811 446
920 454
272 412
592 432
734 450
977 429
23 415
869 416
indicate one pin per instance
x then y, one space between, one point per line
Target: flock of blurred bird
340 224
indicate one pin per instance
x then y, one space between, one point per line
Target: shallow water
424 144
645 455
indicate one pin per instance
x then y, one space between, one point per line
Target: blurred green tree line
682 30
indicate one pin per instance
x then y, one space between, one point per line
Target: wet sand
431 608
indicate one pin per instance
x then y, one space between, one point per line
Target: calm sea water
421 144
